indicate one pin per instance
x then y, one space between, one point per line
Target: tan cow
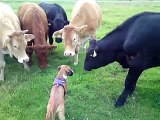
86 18
13 41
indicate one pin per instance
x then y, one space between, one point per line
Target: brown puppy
57 96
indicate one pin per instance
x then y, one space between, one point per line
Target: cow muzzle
44 66
24 59
69 53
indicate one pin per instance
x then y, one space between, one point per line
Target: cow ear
82 29
6 40
23 32
92 42
97 49
66 22
58 34
29 37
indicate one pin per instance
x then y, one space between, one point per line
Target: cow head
56 25
41 53
16 43
70 34
98 55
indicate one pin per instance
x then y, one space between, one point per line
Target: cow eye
16 47
74 39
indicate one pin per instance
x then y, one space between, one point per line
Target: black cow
57 19
135 44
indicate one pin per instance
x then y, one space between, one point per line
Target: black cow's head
98 55
56 25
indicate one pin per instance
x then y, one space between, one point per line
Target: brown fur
57 96
33 18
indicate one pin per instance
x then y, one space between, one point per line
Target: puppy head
66 70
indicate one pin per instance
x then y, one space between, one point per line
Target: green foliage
91 95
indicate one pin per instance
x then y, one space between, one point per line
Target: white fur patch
94 54
64 76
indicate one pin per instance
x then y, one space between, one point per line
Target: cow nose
23 59
26 59
69 53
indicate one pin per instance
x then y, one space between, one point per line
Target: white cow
13 41
86 19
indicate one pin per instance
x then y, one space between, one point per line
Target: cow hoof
75 64
120 102
2 78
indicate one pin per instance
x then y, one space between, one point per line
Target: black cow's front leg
50 38
29 52
136 67
130 84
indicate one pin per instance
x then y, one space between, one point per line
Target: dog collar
60 82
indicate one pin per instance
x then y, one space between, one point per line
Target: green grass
91 95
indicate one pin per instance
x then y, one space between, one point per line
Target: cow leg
136 67
2 66
76 56
29 52
130 84
50 38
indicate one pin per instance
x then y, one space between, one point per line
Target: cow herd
134 44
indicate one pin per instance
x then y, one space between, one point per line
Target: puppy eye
91 55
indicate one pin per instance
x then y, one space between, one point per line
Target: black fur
135 44
57 19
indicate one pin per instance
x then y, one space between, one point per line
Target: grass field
91 96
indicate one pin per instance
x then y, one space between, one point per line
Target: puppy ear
59 67
69 72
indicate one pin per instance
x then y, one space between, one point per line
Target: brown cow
33 18
86 18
